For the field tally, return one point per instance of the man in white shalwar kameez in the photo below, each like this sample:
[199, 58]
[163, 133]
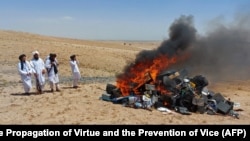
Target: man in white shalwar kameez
[51, 65]
[39, 71]
[75, 70]
[25, 72]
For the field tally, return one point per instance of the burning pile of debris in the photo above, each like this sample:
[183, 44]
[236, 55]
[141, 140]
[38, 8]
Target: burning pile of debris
[149, 82]
[172, 91]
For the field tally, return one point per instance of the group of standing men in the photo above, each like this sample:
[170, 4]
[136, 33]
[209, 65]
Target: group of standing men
[39, 67]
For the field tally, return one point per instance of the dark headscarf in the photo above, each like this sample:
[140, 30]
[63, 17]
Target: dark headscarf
[52, 57]
[20, 58]
[72, 57]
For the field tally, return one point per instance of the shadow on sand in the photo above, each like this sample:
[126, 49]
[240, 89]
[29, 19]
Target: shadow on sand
[70, 87]
[31, 93]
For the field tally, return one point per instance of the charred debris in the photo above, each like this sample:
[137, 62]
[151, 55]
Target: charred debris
[172, 91]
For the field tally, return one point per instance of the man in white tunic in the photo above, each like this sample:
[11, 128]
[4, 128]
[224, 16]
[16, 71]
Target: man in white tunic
[39, 71]
[25, 72]
[51, 65]
[75, 70]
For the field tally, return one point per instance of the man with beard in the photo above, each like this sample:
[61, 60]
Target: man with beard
[52, 70]
[25, 72]
[47, 57]
[39, 71]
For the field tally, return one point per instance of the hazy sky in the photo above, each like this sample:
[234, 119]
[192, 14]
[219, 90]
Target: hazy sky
[112, 19]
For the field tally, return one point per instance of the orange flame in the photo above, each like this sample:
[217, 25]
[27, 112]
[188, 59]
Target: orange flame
[137, 73]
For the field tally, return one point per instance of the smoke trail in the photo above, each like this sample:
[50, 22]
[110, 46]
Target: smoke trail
[224, 53]
[182, 35]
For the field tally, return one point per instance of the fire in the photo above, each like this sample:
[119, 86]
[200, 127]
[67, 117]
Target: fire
[143, 72]
[162, 89]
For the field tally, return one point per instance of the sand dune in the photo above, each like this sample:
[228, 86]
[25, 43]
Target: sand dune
[100, 61]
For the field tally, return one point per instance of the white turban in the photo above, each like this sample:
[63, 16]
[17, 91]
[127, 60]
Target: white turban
[35, 52]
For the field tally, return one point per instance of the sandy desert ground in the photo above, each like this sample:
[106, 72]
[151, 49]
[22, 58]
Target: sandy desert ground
[100, 61]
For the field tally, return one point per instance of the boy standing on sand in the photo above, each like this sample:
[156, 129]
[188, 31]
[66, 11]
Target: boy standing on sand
[75, 70]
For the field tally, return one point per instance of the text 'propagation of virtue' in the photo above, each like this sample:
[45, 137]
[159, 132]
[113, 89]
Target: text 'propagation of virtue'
[123, 132]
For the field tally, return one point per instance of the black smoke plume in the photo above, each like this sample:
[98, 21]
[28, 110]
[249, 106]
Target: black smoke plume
[222, 54]
[182, 35]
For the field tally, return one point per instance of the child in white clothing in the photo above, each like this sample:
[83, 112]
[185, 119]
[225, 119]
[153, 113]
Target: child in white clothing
[75, 70]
